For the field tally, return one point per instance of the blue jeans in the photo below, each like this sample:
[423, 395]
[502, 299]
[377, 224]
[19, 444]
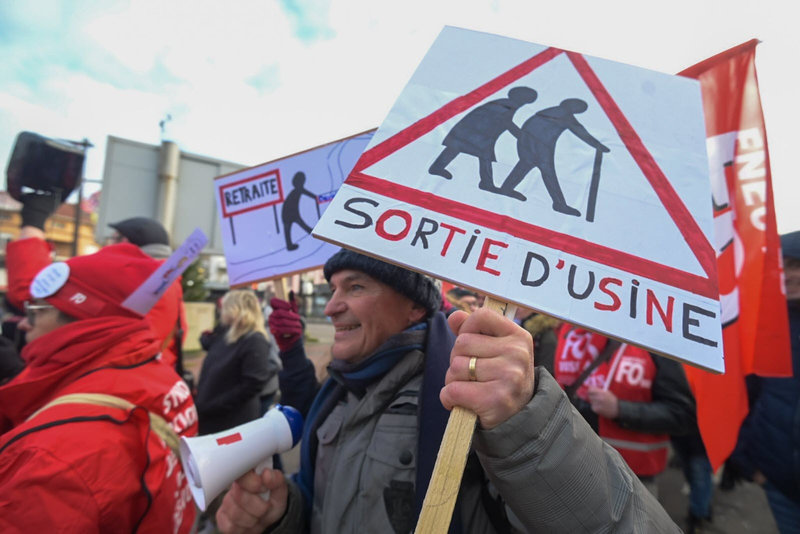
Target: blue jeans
[785, 511]
[697, 470]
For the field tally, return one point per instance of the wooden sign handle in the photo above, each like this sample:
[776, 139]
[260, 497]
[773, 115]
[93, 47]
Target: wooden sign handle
[437, 508]
[281, 288]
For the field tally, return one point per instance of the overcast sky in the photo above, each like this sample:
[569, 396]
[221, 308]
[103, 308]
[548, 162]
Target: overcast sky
[253, 80]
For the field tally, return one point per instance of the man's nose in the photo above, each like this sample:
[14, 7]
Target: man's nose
[335, 305]
[24, 325]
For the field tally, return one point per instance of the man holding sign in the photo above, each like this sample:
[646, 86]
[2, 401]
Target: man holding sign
[372, 434]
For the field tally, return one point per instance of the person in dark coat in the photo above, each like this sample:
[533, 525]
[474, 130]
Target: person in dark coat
[237, 366]
[297, 380]
[768, 451]
[478, 132]
[542, 329]
[633, 399]
[691, 452]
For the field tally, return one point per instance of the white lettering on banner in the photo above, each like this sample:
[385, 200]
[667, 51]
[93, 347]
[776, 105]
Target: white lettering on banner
[176, 396]
[752, 165]
[752, 174]
[743, 150]
[183, 496]
[750, 139]
[595, 380]
[576, 345]
[753, 193]
[172, 462]
[185, 419]
[728, 244]
[631, 371]
[569, 367]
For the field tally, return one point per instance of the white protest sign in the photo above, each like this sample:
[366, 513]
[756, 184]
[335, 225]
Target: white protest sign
[152, 289]
[267, 211]
[565, 183]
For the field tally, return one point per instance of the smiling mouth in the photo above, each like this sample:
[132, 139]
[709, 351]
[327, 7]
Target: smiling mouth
[347, 328]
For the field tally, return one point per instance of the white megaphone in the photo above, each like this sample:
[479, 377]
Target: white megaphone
[211, 463]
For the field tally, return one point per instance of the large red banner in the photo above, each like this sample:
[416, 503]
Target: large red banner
[755, 323]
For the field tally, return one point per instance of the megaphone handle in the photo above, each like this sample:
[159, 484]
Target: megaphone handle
[266, 464]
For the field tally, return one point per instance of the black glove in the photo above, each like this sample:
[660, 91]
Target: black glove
[732, 474]
[36, 208]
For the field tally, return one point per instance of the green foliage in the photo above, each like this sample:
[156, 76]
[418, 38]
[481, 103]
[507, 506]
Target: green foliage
[194, 282]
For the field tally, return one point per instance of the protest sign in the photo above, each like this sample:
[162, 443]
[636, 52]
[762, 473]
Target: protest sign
[569, 184]
[152, 289]
[267, 211]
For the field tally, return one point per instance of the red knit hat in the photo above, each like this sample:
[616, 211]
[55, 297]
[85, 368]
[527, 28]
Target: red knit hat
[95, 285]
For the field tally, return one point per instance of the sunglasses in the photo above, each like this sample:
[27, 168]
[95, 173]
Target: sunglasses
[31, 309]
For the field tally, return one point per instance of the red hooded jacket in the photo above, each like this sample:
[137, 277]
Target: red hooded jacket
[26, 257]
[84, 468]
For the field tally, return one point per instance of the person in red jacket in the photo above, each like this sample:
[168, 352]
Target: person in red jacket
[168, 317]
[30, 253]
[633, 399]
[89, 428]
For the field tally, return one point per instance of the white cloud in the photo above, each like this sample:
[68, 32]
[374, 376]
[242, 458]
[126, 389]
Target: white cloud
[193, 59]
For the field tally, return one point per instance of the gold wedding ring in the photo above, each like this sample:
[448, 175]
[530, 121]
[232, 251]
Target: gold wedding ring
[473, 375]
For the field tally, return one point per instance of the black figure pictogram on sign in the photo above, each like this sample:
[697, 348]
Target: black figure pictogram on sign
[536, 147]
[477, 133]
[290, 213]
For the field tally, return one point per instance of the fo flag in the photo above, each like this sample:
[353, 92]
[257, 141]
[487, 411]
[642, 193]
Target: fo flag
[755, 323]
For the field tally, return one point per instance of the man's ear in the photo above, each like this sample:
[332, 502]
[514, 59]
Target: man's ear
[417, 314]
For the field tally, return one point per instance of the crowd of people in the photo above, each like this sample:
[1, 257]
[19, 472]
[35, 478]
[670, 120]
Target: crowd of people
[573, 427]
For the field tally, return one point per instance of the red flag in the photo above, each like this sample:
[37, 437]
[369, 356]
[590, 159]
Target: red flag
[755, 322]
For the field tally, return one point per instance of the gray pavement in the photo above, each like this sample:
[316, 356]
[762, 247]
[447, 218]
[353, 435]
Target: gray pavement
[742, 510]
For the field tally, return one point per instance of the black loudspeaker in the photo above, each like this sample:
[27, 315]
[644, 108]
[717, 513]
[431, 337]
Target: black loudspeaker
[44, 164]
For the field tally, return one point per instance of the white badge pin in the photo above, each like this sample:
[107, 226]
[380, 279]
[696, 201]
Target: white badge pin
[49, 280]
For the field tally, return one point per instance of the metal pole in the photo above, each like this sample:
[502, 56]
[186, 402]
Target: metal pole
[168, 175]
[76, 234]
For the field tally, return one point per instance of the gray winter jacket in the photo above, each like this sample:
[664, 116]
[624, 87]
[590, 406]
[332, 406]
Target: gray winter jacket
[552, 471]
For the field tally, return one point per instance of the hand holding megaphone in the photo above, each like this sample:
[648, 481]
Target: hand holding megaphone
[211, 463]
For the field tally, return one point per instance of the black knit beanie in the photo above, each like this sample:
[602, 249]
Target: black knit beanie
[460, 292]
[142, 231]
[419, 288]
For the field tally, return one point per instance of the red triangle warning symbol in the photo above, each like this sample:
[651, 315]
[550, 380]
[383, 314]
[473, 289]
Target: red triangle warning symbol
[703, 285]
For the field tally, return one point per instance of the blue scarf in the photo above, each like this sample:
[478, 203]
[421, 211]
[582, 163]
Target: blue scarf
[347, 377]
[439, 340]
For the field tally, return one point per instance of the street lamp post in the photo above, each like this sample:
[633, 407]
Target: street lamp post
[75, 236]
